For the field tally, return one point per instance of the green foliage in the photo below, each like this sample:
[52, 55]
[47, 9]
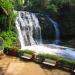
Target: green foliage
[53, 57]
[51, 5]
[7, 21]
[41, 55]
[28, 51]
[56, 58]
[9, 37]
[25, 51]
[40, 58]
[18, 4]
[58, 9]
[3, 22]
[21, 52]
[6, 5]
[67, 61]
[48, 56]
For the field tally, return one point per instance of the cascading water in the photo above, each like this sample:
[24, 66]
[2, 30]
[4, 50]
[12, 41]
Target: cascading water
[27, 25]
[37, 30]
[57, 39]
[29, 33]
[21, 39]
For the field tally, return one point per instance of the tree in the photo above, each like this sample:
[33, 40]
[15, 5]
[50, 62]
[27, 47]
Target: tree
[6, 21]
[18, 4]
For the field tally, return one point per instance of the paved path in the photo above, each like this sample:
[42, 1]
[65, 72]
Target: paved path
[13, 66]
[24, 69]
[30, 68]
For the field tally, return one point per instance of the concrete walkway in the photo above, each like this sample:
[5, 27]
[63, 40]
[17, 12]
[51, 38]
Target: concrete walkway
[24, 69]
[14, 66]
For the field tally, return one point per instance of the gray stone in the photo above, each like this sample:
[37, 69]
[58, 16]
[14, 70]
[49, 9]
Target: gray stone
[1, 43]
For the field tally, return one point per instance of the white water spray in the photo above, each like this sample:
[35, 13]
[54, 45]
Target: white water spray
[27, 24]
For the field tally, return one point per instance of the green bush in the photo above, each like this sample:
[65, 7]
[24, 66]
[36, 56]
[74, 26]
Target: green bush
[56, 58]
[41, 55]
[40, 58]
[8, 20]
[19, 52]
[9, 37]
[67, 61]
[48, 56]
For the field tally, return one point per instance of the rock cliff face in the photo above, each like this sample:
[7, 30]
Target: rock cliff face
[70, 43]
[47, 28]
[66, 28]
[66, 19]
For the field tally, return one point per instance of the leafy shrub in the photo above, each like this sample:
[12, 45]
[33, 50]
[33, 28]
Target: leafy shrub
[58, 59]
[66, 61]
[48, 56]
[7, 21]
[40, 58]
[9, 37]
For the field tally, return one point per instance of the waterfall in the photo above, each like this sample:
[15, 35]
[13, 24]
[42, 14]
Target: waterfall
[37, 30]
[57, 39]
[19, 33]
[29, 30]
[29, 34]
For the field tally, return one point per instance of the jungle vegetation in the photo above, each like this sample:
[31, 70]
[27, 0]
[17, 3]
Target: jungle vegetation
[63, 11]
